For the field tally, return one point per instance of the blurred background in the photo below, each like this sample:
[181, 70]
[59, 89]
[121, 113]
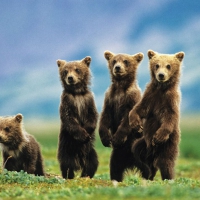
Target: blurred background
[34, 34]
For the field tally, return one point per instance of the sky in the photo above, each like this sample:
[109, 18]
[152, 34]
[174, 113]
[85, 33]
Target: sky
[34, 34]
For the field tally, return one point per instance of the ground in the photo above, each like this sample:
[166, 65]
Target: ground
[185, 186]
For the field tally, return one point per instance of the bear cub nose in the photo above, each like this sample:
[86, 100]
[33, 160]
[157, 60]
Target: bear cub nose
[161, 76]
[70, 79]
[117, 68]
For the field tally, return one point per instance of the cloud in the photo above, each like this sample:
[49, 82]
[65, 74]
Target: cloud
[32, 42]
[32, 87]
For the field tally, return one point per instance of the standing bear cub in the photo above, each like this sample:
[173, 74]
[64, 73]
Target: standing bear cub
[159, 107]
[120, 98]
[78, 117]
[19, 149]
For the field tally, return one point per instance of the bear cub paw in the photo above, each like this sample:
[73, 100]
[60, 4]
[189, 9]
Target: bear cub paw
[159, 138]
[85, 138]
[106, 141]
[135, 122]
[118, 141]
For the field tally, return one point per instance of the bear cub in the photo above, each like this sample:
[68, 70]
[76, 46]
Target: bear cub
[159, 107]
[19, 149]
[121, 96]
[78, 115]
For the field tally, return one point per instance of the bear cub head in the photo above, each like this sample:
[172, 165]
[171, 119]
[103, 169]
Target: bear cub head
[75, 75]
[122, 66]
[165, 68]
[11, 134]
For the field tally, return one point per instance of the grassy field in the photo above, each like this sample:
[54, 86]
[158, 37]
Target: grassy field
[186, 185]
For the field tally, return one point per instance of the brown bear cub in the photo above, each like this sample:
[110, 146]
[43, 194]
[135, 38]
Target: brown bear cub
[78, 116]
[120, 98]
[159, 107]
[19, 149]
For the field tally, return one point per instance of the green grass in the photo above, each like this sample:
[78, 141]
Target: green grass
[190, 131]
[186, 185]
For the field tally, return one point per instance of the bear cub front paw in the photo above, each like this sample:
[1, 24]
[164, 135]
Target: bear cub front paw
[106, 141]
[135, 122]
[84, 138]
[159, 138]
[118, 141]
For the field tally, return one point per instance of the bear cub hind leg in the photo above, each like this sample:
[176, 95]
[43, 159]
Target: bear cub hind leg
[67, 172]
[91, 164]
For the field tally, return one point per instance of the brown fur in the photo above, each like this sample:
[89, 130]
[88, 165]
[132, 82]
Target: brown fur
[158, 149]
[78, 116]
[120, 97]
[19, 149]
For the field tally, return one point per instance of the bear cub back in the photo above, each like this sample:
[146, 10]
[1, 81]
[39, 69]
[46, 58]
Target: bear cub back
[19, 149]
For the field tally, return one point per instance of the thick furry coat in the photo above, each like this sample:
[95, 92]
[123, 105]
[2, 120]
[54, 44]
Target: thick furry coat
[78, 117]
[19, 149]
[120, 98]
[159, 108]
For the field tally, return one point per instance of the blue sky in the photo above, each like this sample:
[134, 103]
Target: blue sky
[34, 34]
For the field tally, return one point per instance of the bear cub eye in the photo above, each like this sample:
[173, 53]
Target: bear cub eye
[125, 62]
[77, 71]
[114, 61]
[7, 129]
[157, 66]
[65, 72]
[168, 66]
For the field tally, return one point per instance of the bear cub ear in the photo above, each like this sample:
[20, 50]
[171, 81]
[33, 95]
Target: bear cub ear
[87, 60]
[180, 55]
[139, 57]
[18, 117]
[108, 55]
[61, 63]
[151, 54]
